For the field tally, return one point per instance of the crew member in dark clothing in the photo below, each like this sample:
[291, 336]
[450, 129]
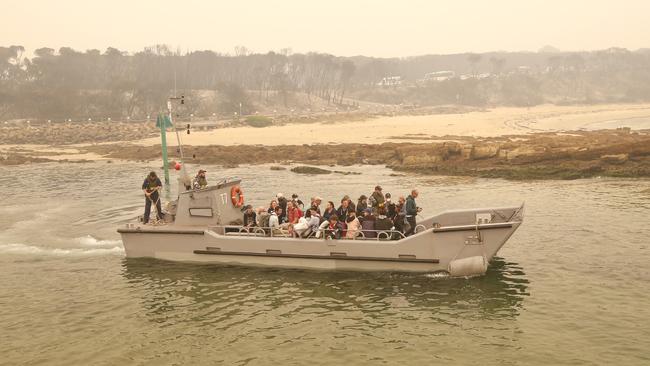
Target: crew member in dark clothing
[391, 208]
[399, 226]
[411, 211]
[151, 188]
[250, 218]
[282, 202]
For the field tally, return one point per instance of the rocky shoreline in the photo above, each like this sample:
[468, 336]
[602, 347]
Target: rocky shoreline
[579, 154]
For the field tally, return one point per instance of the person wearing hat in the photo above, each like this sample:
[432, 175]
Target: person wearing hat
[151, 188]
[362, 204]
[377, 198]
[199, 181]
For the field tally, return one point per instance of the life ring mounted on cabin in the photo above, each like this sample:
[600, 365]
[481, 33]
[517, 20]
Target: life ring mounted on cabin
[237, 196]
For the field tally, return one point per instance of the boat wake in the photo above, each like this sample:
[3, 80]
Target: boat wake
[24, 249]
[91, 241]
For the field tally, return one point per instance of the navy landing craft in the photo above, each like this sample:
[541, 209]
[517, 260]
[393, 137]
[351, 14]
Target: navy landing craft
[204, 225]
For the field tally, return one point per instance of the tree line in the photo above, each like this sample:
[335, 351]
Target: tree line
[66, 83]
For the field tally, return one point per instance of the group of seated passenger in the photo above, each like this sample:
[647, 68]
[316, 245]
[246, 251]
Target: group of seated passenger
[368, 218]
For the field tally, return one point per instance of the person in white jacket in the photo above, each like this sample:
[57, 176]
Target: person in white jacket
[300, 227]
[274, 223]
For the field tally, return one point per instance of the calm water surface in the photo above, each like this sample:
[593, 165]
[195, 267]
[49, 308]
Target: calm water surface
[572, 286]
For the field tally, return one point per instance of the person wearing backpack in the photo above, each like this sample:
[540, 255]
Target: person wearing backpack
[377, 199]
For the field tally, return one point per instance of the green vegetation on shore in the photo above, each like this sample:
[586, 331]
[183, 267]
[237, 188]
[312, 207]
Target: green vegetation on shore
[259, 121]
[65, 84]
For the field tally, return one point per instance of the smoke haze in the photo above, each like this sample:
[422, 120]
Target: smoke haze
[345, 28]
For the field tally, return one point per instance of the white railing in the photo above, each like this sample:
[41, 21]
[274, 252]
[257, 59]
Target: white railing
[324, 234]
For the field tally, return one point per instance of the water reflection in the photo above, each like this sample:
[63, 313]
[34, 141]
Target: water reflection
[176, 290]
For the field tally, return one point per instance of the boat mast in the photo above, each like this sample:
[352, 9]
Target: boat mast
[183, 176]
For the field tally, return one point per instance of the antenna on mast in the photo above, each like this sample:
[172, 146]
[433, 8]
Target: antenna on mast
[175, 83]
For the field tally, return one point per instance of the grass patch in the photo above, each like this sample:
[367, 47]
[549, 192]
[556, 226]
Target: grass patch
[259, 121]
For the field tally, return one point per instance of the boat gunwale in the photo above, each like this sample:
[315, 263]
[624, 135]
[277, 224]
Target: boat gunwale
[308, 256]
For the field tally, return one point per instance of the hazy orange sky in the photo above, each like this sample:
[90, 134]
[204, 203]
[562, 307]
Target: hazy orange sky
[341, 27]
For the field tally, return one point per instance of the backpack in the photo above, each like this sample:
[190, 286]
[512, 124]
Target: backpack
[264, 219]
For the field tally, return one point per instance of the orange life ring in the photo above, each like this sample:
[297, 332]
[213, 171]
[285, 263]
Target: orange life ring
[237, 196]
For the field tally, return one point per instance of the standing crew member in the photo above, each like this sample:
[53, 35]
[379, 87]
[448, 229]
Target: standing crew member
[411, 211]
[151, 188]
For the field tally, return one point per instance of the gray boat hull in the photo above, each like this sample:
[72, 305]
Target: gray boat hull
[200, 229]
[435, 248]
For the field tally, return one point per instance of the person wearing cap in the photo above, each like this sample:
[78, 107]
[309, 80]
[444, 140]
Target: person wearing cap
[199, 181]
[151, 188]
[377, 198]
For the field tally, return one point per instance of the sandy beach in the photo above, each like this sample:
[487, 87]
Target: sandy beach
[492, 122]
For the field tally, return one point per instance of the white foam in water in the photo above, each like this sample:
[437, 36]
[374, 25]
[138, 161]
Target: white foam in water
[17, 248]
[436, 275]
[90, 241]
